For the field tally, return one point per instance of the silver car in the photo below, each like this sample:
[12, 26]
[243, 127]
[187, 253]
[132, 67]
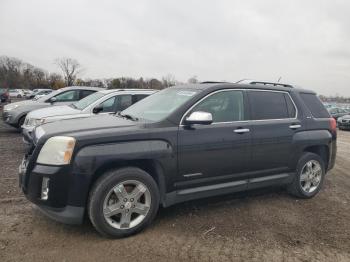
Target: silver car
[103, 102]
[15, 113]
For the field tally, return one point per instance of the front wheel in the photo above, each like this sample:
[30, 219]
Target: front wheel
[309, 177]
[123, 202]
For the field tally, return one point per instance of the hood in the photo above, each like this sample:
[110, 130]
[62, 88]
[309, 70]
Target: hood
[347, 117]
[87, 125]
[53, 111]
[27, 105]
[24, 102]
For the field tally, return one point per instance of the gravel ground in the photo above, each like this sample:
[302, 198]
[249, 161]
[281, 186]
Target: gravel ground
[266, 225]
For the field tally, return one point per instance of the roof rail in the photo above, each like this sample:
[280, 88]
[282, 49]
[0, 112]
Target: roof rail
[270, 83]
[213, 82]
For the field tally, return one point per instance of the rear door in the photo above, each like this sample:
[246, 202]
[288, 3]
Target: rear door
[274, 122]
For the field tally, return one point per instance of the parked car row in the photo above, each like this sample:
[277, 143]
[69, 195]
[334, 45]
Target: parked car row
[117, 155]
[14, 114]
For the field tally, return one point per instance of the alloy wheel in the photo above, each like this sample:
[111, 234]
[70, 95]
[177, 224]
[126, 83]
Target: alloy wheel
[127, 204]
[311, 175]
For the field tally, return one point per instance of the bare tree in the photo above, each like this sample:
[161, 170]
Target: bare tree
[70, 69]
[192, 80]
[168, 80]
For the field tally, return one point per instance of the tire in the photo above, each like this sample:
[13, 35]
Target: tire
[103, 195]
[300, 184]
[21, 122]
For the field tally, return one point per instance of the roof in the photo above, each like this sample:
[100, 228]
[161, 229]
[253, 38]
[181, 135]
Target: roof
[108, 91]
[254, 85]
[82, 87]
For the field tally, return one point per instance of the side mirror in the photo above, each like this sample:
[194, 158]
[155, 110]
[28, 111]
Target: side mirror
[200, 118]
[97, 109]
[53, 100]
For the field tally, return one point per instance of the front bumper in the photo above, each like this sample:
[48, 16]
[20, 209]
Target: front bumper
[58, 205]
[344, 125]
[68, 215]
[8, 118]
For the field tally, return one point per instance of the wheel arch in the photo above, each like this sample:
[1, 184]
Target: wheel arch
[320, 150]
[152, 167]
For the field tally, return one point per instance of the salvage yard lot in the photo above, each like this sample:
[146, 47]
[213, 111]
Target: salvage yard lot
[264, 225]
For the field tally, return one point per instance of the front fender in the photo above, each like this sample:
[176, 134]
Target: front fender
[89, 159]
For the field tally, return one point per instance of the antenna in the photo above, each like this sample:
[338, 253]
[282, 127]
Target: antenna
[279, 79]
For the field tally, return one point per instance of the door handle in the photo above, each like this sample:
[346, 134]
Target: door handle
[241, 130]
[294, 126]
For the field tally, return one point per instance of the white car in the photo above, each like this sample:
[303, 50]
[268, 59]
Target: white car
[102, 102]
[16, 93]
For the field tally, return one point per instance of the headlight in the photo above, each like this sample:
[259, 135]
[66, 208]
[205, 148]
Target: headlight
[33, 122]
[57, 150]
[10, 107]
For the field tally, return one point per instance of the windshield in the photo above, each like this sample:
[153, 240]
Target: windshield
[83, 103]
[160, 105]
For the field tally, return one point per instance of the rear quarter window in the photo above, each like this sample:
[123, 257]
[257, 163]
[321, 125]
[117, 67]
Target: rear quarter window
[315, 105]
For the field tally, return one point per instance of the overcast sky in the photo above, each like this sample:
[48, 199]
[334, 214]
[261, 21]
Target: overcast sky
[305, 42]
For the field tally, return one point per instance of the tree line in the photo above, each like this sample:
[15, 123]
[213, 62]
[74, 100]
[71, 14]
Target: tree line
[17, 74]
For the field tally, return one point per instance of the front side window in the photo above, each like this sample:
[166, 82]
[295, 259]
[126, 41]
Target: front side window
[108, 105]
[71, 95]
[225, 106]
[270, 105]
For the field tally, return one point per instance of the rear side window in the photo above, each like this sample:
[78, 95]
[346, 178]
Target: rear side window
[271, 105]
[85, 93]
[123, 102]
[315, 105]
[139, 97]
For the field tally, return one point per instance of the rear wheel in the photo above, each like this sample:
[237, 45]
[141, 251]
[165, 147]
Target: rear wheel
[123, 202]
[310, 176]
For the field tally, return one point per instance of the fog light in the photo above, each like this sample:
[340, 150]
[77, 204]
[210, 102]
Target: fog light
[45, 188]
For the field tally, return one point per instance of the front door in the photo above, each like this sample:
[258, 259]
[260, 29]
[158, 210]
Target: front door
[218, 151]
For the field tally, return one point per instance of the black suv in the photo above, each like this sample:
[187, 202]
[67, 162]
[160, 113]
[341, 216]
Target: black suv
[182, 143]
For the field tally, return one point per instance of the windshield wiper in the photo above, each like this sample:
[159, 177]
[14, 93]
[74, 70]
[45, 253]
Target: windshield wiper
[74, 106]
[130, 117]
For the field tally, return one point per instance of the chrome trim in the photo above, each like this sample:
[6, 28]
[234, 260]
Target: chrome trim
[211, 187]
[192, 175]
[267, 178]
[294, 126]
[241, 130]
[243, 121]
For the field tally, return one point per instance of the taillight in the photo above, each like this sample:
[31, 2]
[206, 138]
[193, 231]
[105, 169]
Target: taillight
[333, 125]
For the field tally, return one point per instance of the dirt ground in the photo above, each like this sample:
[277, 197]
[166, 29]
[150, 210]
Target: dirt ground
[267, 225]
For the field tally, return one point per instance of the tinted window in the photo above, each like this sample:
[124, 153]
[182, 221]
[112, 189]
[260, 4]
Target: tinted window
[123, 102]
[71, 95]
[269, 105]
[315, 105]
[85, 93]
[225, 106]
[137, 98]
[290, 106]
